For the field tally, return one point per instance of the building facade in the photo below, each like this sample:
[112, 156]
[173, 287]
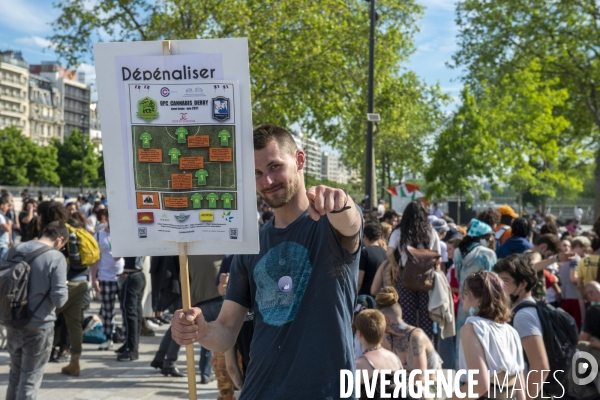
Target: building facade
[46, 114]
[76, 96]
[330, 167]
[312, 150]
[14, 85]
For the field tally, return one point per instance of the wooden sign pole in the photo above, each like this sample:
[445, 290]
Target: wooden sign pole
[184, 278]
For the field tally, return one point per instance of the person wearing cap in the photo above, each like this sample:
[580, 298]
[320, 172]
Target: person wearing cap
[473, 254]
[503, 230]
[518, 242]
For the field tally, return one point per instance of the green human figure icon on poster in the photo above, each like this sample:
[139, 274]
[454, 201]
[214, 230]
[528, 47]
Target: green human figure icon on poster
[201, 174]
[145, 138]
[174, 154]
[212, 200]
[224, 136]
[227, 199]
[181, 135]
[196, 200]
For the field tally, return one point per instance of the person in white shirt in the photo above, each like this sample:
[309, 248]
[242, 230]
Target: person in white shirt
[104, 281]
[494, 347]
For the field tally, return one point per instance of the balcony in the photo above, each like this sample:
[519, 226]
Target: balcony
[13, 83]
[11, 113]
[15, 62]
[10, 97]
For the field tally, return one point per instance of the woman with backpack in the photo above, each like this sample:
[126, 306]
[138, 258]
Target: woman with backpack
[414, 230]
[104, 280]
[474, 253]
[494, 347]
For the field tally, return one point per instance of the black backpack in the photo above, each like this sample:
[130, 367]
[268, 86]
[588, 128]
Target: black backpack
[560, 336]
[14, 283]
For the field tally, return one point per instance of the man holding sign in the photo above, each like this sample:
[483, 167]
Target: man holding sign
[302, 286]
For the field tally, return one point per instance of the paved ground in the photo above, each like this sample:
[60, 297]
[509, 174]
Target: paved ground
[103, 377]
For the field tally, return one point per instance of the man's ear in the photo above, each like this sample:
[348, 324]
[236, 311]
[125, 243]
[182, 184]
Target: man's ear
[300, 159]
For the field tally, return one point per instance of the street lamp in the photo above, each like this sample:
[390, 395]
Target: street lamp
[370, 162]
[82, 151]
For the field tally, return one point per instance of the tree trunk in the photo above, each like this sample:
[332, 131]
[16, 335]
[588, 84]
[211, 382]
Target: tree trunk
[597, 187]
[389, 181]
[458, 209]
[545, 205]
[520, 203]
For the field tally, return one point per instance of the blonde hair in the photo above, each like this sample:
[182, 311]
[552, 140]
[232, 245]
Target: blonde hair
[387, 298]
[371, 324]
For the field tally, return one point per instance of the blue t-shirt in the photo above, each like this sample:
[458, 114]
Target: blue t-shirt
[302, 288]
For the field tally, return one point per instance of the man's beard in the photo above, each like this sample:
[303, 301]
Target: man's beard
[281, 200]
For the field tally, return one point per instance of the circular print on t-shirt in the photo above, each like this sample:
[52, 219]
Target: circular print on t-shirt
[285, 284]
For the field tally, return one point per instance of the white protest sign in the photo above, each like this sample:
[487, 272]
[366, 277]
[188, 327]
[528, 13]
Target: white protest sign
[177, 140]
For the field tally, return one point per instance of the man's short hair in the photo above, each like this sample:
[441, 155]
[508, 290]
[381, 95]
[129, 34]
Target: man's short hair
[4, 200]
[519, 267]
[491, 216]
[551, 241]
[581, 241]
[521, 227]
[265, 134]
[549, 228]
[389, 214]
[56, 229]
[372, 230]
[371, 324]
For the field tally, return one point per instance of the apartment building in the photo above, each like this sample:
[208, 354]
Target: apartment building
[46, 114]
[14, 85]
[76, 96]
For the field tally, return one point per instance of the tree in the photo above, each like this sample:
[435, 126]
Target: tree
[504, 36]
[537, 154]
[308, 61]
[23, 162]
[69, 159]
[464, 153]
[101, 180]
[15, 153]
[43, 165]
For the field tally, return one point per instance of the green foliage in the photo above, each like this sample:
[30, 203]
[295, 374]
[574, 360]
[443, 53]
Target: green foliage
[537, 152]
[507, 37]
[69, 159]
[23, 162]
[15, 153]
[308, 63]
[101, 180]
[463, 152]
[485, 196]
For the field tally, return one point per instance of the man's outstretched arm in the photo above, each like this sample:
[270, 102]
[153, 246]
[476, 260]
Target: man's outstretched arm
[219, 335]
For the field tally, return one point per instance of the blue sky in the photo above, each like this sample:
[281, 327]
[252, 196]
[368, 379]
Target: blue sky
[24, 25]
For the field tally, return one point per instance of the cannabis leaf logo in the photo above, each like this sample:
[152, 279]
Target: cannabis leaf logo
[227, 216]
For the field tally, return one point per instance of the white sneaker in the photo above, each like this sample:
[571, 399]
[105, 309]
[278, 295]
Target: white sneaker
[151, 325]
[106, 345]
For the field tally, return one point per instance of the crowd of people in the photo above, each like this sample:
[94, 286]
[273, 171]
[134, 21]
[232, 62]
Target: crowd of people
[332, 288]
